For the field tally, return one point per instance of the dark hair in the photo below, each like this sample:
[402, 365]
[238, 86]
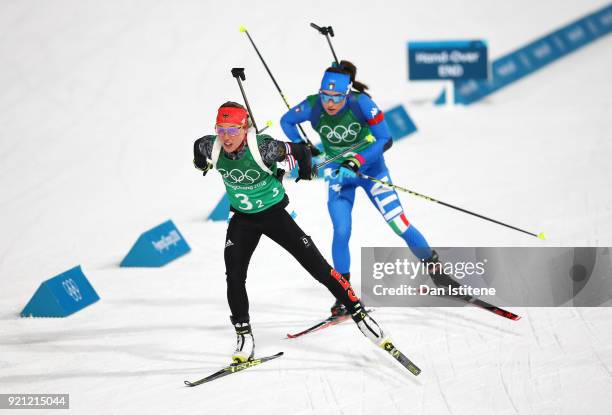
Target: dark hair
[232, 104]
[348, 68]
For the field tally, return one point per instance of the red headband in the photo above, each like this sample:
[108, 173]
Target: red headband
[232, 115]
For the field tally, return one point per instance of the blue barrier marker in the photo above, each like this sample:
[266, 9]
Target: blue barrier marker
[156, 247]
[221, 212]
[61, 295]
[399, 122]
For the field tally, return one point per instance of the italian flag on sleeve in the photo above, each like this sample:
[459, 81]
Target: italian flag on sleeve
[399, 224]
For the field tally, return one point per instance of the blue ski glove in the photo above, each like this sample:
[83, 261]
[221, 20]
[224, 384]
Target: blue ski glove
[348, 169]
[345, 174]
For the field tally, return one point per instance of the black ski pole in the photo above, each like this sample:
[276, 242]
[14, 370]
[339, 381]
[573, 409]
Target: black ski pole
[238, 73]
[327, 31]
[431, 199]
[244, 30]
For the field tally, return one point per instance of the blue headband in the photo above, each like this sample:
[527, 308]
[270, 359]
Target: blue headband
[337, 82]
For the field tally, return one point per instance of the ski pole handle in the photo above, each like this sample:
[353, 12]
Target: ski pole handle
[238, 73]
[317, 28]
[327, 32]
[323, 30]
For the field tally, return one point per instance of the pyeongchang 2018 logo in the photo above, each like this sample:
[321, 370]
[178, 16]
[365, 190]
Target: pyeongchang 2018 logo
[340, 133]
[72, 289]
[236, 176]
[165, 242]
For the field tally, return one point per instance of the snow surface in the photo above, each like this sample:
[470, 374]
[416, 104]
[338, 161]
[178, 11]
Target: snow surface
[99, 105]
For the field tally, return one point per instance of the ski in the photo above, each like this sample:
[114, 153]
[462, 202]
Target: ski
[328, 322]
[387, 345]
[233, 368]
[493, 309]
[390, 348]
[484, 305]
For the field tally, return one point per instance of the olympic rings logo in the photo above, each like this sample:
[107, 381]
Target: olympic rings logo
[236, 176]
[72, 289]
[341, 133]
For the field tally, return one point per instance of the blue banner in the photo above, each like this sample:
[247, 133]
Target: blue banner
[535, 55]
[156, 247]
[466, 59]
[61, 295]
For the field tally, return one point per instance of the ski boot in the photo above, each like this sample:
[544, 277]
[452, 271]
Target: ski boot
[338, 309]
[245, 343]
[437, 274]
[369, 327]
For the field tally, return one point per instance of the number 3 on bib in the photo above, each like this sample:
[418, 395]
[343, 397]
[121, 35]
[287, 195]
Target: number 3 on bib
[245, 203]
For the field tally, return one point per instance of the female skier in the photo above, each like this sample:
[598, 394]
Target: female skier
[343, 114]
[247, 164]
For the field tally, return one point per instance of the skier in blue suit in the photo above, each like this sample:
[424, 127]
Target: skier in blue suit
[343, 114]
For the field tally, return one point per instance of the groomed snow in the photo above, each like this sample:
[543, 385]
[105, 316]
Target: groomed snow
[99, 105]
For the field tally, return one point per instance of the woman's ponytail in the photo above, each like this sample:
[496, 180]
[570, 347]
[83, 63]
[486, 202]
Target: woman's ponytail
[349, 68]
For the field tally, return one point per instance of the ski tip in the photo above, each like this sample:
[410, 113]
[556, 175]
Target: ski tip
[541, 236]
[516, 318]
[242, 29]
[290, 336]
[269, 123]
[187, 383]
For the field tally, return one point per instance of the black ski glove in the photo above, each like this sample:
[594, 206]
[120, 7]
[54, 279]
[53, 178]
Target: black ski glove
[314, 150]
[201, 163]
[351, 164]
[301, 152]
[199, 160]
